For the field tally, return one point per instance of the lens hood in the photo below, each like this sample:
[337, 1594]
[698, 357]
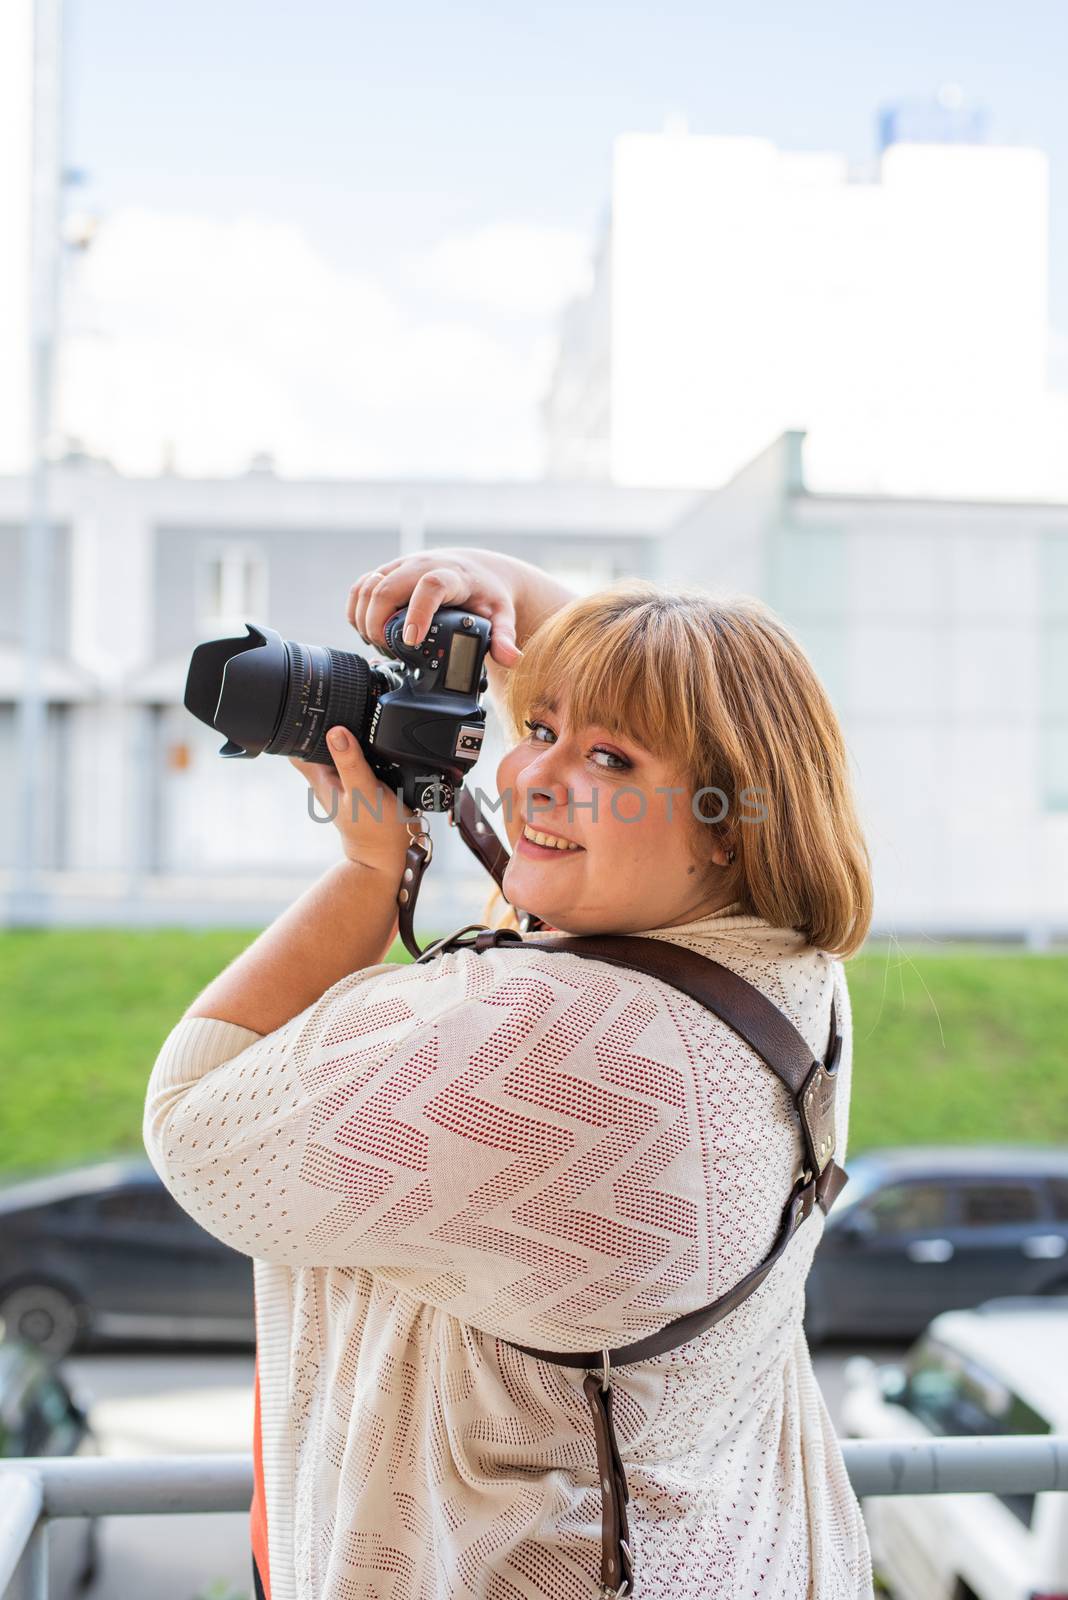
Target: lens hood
[239, 685]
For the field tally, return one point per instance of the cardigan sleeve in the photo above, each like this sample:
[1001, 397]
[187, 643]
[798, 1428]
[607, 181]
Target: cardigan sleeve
[495, 1132]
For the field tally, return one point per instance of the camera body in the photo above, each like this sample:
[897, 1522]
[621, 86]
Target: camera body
[418, 718]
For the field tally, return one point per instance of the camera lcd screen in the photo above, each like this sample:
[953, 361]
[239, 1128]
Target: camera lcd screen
[463, 654]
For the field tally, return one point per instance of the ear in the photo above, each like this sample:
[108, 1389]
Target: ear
[718, 855]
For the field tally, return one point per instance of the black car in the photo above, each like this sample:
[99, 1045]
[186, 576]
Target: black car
[40, 1417]
[103, 1253]
[934, 1228]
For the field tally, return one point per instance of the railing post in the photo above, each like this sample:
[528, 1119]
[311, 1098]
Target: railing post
[22, 1528]
[37, 1561]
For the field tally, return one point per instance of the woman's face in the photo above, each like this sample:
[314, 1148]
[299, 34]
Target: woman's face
[636, 865]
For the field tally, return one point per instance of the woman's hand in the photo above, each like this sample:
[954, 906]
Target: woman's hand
[370, 816]
[513, 595]
[488, 584]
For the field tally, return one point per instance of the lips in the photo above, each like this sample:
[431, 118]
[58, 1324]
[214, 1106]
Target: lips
[545, 852]
[550, 833]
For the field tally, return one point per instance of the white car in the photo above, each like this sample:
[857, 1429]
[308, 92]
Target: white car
[1001, 1368]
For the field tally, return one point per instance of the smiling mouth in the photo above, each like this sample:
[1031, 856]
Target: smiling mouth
[530, 846]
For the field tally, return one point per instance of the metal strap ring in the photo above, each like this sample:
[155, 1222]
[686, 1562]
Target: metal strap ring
[605, 1375]
[421, 836]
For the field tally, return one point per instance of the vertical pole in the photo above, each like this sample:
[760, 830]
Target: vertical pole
[29, 899]
[36, 1560]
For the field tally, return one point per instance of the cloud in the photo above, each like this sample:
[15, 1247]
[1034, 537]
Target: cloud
[214, 340]
[514, 268]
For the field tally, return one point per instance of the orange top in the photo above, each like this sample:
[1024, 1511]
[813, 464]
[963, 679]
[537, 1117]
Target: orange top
[258, 1509]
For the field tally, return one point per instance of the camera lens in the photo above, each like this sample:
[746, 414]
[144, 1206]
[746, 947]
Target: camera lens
[324, 687]
[273, 695]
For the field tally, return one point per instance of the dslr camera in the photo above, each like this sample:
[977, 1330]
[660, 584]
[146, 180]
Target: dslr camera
[418, 717]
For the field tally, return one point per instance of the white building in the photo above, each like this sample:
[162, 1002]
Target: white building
[898, 315]
[940, 629]
[16, 172]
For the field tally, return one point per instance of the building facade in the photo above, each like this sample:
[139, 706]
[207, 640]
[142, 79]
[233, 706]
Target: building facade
[940, 629]
[16, 210]
[898, 314]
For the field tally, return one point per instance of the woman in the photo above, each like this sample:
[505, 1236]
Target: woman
[427, 1161]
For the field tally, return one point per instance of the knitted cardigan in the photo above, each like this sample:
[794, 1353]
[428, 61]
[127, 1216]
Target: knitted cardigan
[520, 1145]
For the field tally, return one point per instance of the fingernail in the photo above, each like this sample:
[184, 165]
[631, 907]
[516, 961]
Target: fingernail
[338, 738]
[409, 633]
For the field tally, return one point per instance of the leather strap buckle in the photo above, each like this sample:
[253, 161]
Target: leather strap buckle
[606, 1370]
[452, 941]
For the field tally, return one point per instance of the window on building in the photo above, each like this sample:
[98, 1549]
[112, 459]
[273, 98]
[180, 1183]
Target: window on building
[232, 587]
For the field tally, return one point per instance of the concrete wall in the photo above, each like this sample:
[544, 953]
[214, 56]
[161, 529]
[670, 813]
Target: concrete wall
[935, 630]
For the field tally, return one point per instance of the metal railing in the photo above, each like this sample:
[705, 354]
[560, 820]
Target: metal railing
[35, 1490]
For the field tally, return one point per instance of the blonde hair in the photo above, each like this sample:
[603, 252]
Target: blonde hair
[721, 690]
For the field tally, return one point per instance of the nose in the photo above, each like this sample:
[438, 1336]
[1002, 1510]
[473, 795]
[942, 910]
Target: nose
[539, 791]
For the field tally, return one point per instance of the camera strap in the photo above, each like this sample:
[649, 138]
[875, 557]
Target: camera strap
[811, 1084]
[479, 837]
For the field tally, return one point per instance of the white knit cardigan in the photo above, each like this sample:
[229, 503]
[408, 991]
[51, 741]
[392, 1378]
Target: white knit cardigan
[431, 1159]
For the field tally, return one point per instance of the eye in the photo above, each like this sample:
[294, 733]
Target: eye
[622, 762]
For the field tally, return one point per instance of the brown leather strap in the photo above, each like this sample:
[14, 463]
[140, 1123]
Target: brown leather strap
[693, 1323]
[749, 1012]
[775, 1039]
[416, 860]
[480, 838]
[617, 1571]
[812, 1091]
[617, 1565]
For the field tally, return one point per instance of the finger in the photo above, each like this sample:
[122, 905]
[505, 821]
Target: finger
[323, 783]
[359, 599]
[314, 771]
[355, 775]
[503, 646]
[432, 590]
[362, 591]
[365, 583]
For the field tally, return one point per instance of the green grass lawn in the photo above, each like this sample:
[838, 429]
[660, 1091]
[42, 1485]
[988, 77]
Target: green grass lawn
[955, 1045]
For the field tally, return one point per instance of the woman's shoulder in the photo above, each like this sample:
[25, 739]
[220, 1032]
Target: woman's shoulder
[799, 979]
[585, 993]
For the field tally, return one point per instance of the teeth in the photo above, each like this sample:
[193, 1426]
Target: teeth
[547, 839]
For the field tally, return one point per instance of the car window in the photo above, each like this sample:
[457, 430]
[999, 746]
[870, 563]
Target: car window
[983, 1205]
[78, 1205]
[862, 1182]
[954, 1396]
[906, 1207]
[934, 1376]
[1058, 1188]
[138, 1206]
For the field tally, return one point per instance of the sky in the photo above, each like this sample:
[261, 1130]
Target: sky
[344, 233]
